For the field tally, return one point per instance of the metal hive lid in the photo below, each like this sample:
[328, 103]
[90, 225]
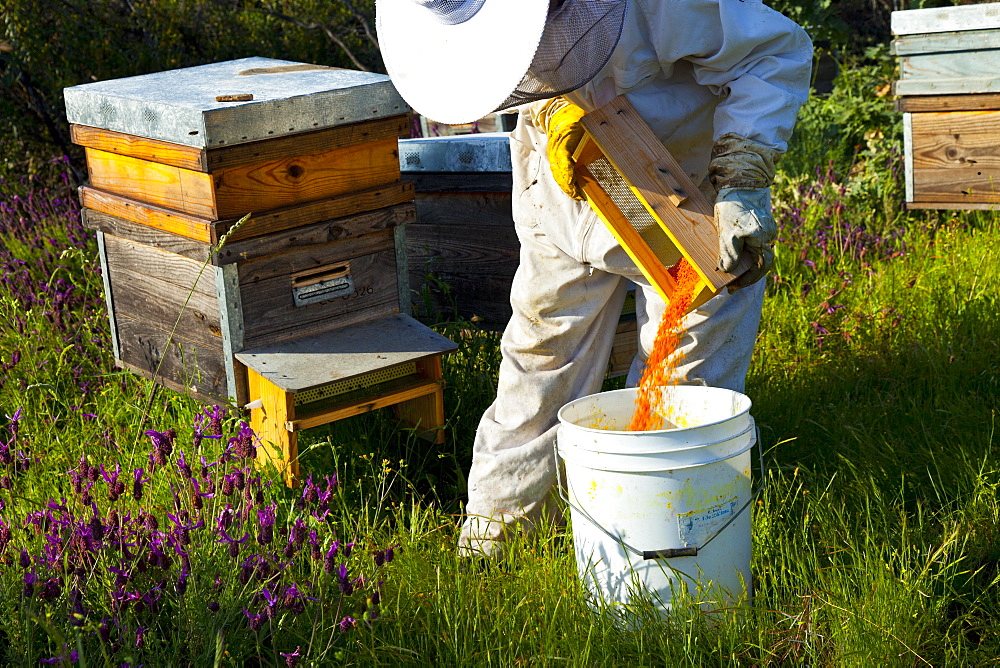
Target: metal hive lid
[179, 106]
[483, 152]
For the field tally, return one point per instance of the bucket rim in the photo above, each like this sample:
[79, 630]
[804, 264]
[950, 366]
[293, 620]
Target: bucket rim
[632, 390]
[631, 452]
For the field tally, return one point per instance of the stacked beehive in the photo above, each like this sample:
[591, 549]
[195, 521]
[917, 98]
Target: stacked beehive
[202, 304]
[949, 89]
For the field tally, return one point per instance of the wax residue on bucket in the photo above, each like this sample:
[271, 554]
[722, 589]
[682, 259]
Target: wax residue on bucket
[662, 362]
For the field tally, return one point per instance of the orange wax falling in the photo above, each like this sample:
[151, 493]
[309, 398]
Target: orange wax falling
[662, 361]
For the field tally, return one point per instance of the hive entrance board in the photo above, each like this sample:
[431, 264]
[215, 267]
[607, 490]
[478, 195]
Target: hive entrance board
[388, 361]
[647, 201]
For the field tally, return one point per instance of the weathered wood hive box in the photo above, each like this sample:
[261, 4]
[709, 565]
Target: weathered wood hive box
[177, 158]
[949, 93]
[463, 249]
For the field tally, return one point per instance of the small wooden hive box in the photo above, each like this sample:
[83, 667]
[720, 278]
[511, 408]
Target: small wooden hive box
[178, 160]
[648, 201]
[949, 93]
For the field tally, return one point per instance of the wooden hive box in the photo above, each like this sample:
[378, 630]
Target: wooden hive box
[174, 164]
[949, 93]
[463, 250]
[648, 201]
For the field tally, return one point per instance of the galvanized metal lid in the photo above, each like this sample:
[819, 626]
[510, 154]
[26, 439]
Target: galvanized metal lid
[484, 152]
[189, 106]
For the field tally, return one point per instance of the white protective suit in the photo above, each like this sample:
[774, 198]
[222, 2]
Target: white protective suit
[695, 70]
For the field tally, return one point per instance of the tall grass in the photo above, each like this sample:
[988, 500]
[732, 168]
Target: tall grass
[876, 535]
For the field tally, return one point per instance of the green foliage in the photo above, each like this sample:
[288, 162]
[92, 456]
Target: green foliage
[853, 123]
[848, 27]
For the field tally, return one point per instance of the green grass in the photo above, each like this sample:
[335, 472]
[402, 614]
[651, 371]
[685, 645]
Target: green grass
[876, 536]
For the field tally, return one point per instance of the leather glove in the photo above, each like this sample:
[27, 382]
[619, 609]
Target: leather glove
[560, 119]
[743, 217]
[742, 171]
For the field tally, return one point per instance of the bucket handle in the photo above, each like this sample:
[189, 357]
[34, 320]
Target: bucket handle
[667, 553]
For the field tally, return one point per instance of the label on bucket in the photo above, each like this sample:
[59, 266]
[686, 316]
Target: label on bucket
[696, 527]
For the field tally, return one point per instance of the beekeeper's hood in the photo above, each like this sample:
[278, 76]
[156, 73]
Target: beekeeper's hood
[456, 61]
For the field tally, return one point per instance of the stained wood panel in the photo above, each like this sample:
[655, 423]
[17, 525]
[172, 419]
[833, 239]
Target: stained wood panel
[956, 156]
[146, 235]
[270, 315]
[468, 242]
[279, 183]
[205, 160]
[160, 304]
[308, 143]
[329, 231]
[146, 214]
[167, 186]
[479, 182]
[941, 103]
[312, 256]
[232, 192]
[180, 273]
[189, 365]
[154, 150]
[340, 207]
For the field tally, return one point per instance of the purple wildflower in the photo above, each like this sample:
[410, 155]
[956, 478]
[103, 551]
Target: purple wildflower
[242, 443]
[213, 606]
[299, 532]
[182, 582]
[343, 581]
[163, 445]
[234, 545]
[206, 467]
[137, 484]
[293, 599]
[208, 424]
[267, 517]
[329, 565]
[347, 623]
[314, 551]
[292, 659]
[254, 621]
[184, 467]
[115, 486]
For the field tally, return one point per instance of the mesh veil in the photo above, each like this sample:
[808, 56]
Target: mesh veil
[451, 12]
[578, 40]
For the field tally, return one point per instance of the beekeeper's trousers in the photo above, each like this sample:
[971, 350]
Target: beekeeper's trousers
[567, 298]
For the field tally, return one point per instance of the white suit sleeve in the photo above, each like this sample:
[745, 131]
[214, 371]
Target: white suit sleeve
[758, 60]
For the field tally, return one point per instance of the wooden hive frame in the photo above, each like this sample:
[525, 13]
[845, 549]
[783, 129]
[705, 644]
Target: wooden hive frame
[647, 201]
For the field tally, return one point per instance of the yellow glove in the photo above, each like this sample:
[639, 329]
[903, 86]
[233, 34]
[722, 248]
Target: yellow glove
[561, 120]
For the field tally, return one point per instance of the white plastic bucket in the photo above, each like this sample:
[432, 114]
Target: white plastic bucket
[639, 499]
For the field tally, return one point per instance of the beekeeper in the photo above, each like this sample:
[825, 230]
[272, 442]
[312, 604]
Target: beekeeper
[720, 83]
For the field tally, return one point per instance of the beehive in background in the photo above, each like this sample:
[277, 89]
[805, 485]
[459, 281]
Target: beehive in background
[949, 93]
[176, 158]
[463, 249]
